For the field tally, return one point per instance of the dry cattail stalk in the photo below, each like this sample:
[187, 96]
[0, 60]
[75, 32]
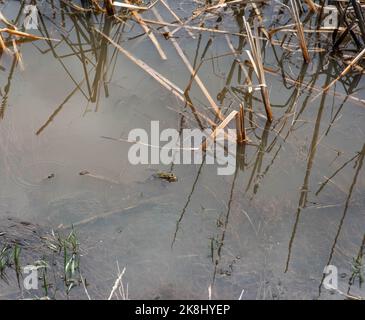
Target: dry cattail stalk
[256, 60]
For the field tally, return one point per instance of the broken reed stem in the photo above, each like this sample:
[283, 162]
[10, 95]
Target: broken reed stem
[311, 5]
[300, 31]
[109, 7]
[191, 70]
[129, 6]
[240, 125]
[176, 17]
[116, 284]
[347, 69]
[256, 60]
[265, 97]
[25, 35]
[96, 5]
[224, 4]
[2, 44]
[153, 73]
[170, 86]
[18, 55]
[194, 28]
[241, 65]
[360, 18]
[221, 126]
[148, 31]
[211, 30]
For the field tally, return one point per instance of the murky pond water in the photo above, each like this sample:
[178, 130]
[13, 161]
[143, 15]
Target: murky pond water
[294, 204]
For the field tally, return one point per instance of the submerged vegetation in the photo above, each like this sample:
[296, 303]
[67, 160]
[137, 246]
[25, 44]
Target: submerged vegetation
[255, 51]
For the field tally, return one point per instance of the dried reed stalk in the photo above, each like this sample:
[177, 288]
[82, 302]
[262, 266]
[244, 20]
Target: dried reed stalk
[25, 35]
[153, 73]
[311, 5]
[18, 55]
[179, 93]
[116, 284]
[346, 70]
[96, 5]
[242, 67]
[221, 126]
[109, 7]
[240, 125]
[224, 4]
[149, 33]
[300, 32]
[192, 71]
[129, 6]
[176, 17]
[309, 87]
[256, 60]
[187, 27]
[2, 45]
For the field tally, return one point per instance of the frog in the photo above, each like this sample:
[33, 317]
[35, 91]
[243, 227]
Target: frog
[168, 176]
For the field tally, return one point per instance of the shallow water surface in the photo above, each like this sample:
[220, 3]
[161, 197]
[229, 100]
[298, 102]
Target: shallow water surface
[294, 204]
